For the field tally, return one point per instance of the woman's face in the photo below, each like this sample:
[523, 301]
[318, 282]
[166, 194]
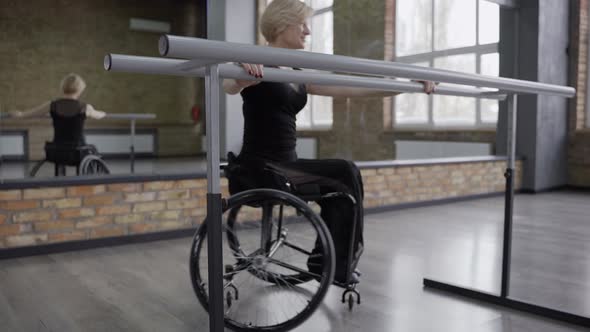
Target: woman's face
[294, 36]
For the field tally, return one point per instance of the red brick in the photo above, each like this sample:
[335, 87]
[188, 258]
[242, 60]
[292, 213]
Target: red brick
[140, 197]
[67, 236]
[25, 240]
[53, 225]
[113, 210]
[124, 187]
[6, 230]
[19, 205]
[32, 216]
[76, 213]
[106, 199]
[142, 228]
[44, 193]
[158, 185]
[149, 207]
[10, 195]
[94, 222]
[62, 203]
[85, 190]
[107, 232]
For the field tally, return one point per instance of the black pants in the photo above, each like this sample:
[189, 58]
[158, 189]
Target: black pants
[339, 213]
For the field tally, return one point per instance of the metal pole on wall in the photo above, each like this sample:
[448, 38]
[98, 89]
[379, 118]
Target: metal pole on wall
[509, 196]
[214, 207]
[132, 147]
[1, 156]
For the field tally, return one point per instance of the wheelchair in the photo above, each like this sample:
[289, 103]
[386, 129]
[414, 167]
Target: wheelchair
[278, 257]
[84, 157]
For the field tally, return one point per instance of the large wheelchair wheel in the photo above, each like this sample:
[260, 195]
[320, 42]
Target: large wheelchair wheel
[278, 260]
[92, 164]
[36, 168]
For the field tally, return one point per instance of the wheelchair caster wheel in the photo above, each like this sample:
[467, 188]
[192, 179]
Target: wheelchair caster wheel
[351, 292]
[228, 296]
[228, 299]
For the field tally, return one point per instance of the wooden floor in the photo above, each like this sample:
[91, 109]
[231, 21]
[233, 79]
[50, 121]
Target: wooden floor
[146, 287]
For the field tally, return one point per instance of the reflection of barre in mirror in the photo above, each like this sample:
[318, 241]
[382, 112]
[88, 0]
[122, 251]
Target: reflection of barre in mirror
[266, 230]
[132, 117]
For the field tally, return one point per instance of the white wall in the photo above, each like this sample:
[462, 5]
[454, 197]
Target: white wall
[432, 149]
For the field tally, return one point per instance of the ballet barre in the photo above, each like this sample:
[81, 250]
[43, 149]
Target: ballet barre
[207, 58]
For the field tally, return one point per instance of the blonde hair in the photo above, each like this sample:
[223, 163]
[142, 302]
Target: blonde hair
[72, 83]
[280, 14]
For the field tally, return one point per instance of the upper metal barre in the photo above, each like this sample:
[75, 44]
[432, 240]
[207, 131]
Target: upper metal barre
[150, 65]
[131, 116]
[193, 48]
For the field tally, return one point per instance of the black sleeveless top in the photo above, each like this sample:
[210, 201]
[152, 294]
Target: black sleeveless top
[270, 111]
[68, 117]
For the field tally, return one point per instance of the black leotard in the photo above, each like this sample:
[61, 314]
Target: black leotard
[270, 111]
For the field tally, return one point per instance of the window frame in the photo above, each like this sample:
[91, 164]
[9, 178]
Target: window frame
[478, 50]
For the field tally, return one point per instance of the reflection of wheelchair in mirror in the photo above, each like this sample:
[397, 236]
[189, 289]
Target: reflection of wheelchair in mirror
[84, 157]
[278, 257]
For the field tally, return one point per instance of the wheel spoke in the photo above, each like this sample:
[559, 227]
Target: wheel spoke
[293, 268]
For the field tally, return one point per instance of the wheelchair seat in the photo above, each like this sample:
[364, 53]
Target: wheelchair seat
[68, 154]
[84, 157]
[263, 175]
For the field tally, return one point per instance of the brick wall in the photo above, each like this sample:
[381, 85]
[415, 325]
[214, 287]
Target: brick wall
[579, 159]
[57, 214]
[49, 215]
[579, 138]
[41, 41]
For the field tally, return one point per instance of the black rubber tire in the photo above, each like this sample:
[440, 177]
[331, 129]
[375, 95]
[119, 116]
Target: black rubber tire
[326, 245]
[93, 165]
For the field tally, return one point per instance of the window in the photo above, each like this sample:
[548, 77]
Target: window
[317, 114]
[458, 35]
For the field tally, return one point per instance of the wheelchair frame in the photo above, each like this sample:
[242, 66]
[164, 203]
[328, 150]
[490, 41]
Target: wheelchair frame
[62, 156]
[350, 292]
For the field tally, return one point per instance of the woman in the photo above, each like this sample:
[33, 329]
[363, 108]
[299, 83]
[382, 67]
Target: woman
[68, 115]
[72, 87]
[270, 111]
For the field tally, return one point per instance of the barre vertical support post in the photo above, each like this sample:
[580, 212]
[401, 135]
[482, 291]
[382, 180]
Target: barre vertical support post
[509, 195]
[132, 147]
[214, 205]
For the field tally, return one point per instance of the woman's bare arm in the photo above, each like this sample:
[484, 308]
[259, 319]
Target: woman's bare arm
[42, 109]
[343, 91]
[93, 113]
[232, 86]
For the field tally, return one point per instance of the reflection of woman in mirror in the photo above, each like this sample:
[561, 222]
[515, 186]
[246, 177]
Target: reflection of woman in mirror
[72, 87]
[67, 112]
[270, 110]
